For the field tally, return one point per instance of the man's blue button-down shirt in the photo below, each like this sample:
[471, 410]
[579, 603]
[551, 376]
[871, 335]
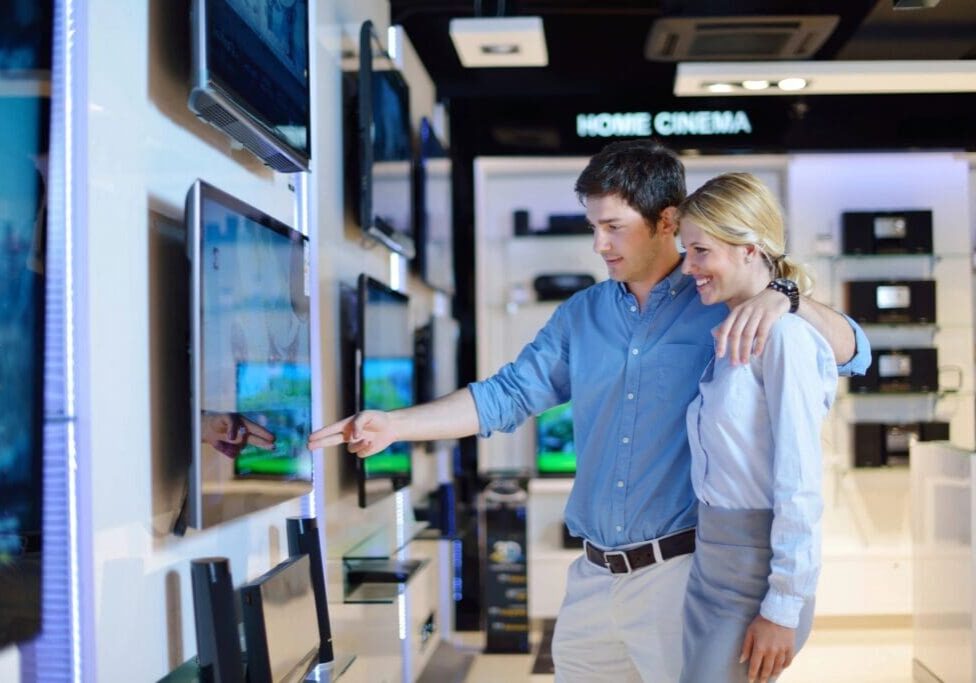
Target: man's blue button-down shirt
[631, 374]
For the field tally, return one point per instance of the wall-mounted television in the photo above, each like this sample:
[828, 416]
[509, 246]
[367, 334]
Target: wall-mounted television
[555, 445]
[250, 76]
[384, 381]
[251, 385]
[25, 111]
[379, 146]
[434, 219]
[436, 360]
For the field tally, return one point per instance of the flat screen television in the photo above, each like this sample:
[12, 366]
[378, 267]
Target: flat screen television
[384, 381]
[436, 361]
[250, 359]
[434, 218]
[379, 145]
[555, 445]
[25, 111]
[250, 76]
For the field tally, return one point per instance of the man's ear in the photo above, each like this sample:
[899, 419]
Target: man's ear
[668, 220]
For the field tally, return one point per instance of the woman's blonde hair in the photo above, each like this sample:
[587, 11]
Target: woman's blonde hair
[737, 208]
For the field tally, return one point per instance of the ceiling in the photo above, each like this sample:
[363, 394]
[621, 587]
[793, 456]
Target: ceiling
[596, 47]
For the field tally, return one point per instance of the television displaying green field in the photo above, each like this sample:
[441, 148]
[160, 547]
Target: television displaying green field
[555, 446]
[388, 385]
[276, 396]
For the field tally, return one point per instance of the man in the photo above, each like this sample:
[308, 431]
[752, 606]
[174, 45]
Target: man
[628, 352]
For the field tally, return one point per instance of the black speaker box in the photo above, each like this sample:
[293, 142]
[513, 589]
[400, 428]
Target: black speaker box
[893, 302]
[559, 286]
[215, 616]
[899, 371]
[303, 539]
[887, 232]
[520, 219]
[877, 444]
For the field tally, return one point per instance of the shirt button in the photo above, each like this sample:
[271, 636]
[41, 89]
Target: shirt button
[619, 528]
[634, 351]
[626, 439]
[630, 397]
[620, 484]
[633, 309]
[672, 292]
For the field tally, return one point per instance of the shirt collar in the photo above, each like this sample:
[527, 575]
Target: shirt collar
[673, 282]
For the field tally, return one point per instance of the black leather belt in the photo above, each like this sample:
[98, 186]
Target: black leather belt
[626, 561]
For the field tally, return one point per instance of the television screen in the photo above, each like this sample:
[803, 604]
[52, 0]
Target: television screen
[250, 75]
[555, 445]
[380, 135]
[385, 382]
[434, 217]
[25, 86]
[251, 361]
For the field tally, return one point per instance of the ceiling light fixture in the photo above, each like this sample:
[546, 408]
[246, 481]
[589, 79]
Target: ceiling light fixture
[792, 84]
[829, 78]
[755, 84]
[499, 41]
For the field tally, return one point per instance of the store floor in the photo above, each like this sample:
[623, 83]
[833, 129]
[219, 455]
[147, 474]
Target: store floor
[836, 654]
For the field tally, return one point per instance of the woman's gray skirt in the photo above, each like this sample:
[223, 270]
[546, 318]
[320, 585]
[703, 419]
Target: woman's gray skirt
[729, 579]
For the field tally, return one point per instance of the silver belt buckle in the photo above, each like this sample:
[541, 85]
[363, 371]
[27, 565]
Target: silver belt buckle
[622, 554]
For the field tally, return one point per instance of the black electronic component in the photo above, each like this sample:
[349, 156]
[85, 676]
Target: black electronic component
[887, 232]
[892, 302]
[877, 444]
[215, 616]
[303, 539]
[559, 286]
[899, 371]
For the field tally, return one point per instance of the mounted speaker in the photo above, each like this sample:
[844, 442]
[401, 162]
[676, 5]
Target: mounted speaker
[303, 539]
[215, 616]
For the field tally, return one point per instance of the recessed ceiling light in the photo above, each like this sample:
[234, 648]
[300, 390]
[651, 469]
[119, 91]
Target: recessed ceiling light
[719, 87]
[500, 49]
[756, 84]
[831, 78]
[499, 41]
[792, 84]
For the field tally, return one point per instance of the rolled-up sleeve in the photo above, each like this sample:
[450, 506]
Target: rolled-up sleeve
[538, 379]
[859, 364]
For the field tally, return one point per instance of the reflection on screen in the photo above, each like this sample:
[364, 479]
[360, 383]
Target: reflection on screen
[275, 396]
[25, 62]
[388, 385]
[555, 447]
[258, 50]
[256, 365]
[392, 153]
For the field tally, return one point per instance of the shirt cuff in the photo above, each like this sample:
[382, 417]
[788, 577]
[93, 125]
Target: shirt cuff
[482, 398]
[859, 364]
[782, 609]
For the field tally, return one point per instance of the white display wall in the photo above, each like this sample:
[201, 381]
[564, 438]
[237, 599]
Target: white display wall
[141, 151]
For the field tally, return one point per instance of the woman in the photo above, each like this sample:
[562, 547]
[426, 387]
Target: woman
[754, 431]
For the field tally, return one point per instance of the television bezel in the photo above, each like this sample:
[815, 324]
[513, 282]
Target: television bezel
[397, 241]
[249, 127]
[199, 191]
[428, 139]
[365, 283]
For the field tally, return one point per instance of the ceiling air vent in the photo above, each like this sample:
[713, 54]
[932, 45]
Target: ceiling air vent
[680, 39]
